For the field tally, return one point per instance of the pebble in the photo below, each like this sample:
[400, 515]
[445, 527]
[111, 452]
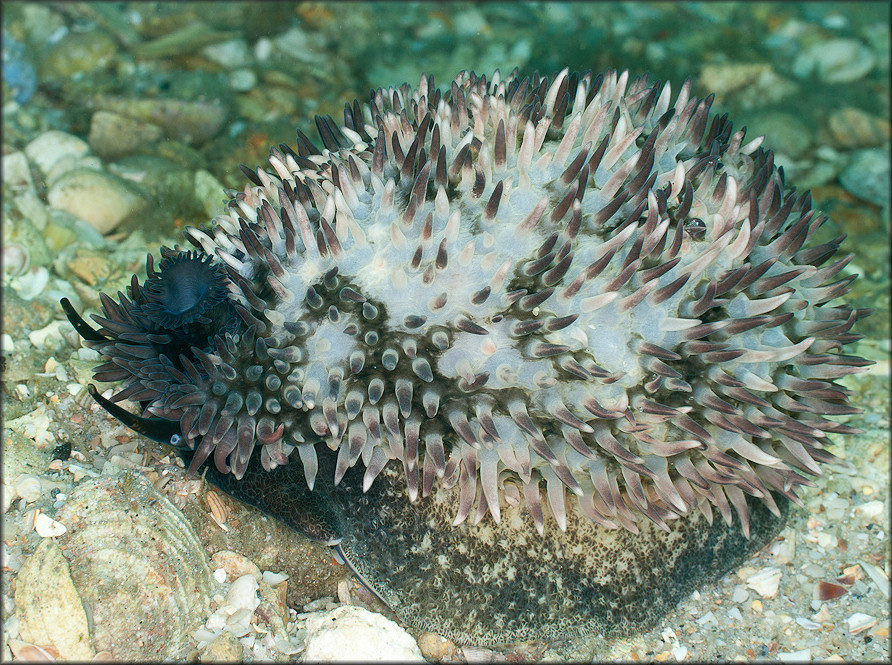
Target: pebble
[352, 633]
[48, 148]
[78, 53]
[867, 176]
[852, 127]
[435, 647]
[99, 198]
[208, 192]
[231, 54]
[30, 284]
[765, 582]
[235, 564]
[16, 170]
[835, 61]
[185, 120]
[872, 509]
[113, 135]
[27, 487]
[803, 655]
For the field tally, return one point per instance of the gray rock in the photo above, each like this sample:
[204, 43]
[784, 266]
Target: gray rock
[835, 61]
[113, 136]
[867, 176]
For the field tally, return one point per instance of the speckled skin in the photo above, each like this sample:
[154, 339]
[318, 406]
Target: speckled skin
[562, 297]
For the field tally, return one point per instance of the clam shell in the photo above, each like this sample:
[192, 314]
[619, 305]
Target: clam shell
[140, 570]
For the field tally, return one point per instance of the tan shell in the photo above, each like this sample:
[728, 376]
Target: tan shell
[140, 570]
[48, 605]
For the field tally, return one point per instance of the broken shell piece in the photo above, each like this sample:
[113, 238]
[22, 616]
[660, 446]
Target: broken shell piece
[859, 622]
[765, 582]
[47, 527]
[829, 591]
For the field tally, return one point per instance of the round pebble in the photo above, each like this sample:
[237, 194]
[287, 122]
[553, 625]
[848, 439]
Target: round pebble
[867, 176]
[113, 136]
[100, 199]
[48, 148]
[835, 61]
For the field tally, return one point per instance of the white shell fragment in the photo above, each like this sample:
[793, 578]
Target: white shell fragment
[765, 582]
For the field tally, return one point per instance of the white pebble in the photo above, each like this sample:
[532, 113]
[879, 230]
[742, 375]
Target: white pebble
[680, 653]
[272, 579]
[27, 486]
[220, 575]
[51, 146]
[30, 285]
[734, 613]
[765, 582]
[740, 594]
[49, 335]
[709, 617]
[801, 656]
[872, 509]
[352, 633]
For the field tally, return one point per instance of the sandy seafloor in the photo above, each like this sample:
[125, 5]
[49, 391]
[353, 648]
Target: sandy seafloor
[224, 81]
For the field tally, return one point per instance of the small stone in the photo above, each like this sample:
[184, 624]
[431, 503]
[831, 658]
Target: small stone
[51, 146]
[27, 486]
[16, 171]
[435, 647]
[352, 633]
[208, 192]
[235, 564]
[243, 594]
[230, 54]
[740, 594]
[872, 509]
[835, 61]
[78, 53]
[784, 550]
[852, 127]
[826, 540]
[188, 121]
[801, 656]
[50, 336]
[867, 176]
[100, 199]
[223, 649]
[112, 136]
[765, 582]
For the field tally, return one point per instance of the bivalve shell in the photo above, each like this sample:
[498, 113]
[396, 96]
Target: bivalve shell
[138, 566]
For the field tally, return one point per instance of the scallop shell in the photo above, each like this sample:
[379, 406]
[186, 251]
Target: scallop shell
[140, 570]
